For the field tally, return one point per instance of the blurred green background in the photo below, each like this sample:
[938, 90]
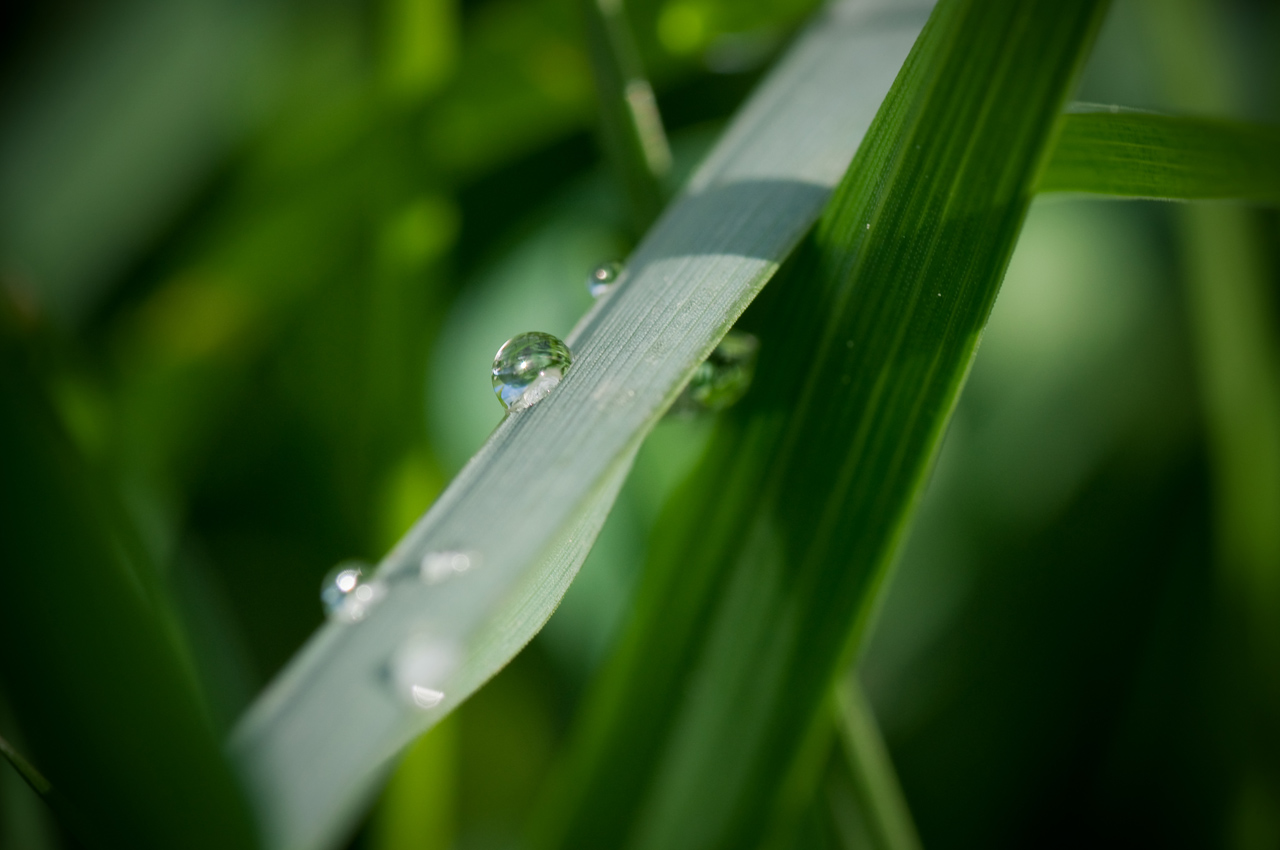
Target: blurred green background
[263, 253]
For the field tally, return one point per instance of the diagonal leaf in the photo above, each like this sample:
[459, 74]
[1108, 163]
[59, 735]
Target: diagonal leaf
[530, 502]
[1141, 155]
[708, 728]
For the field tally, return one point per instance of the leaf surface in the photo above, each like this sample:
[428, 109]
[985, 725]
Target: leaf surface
[530, 502]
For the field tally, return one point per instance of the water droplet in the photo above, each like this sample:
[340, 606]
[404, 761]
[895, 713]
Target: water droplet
[346, 593]
[527, 367]
[426, 697]
[420, 669]
[603, 277]
[723, 377]
[438, 566]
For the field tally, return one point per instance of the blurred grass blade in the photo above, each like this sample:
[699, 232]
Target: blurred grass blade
[25, 769]
[1228, 263]
[61, 808]
[1140, 155]
[530, 502]
[708, 728]
[876, 791]
[630, 124]
[100, 688]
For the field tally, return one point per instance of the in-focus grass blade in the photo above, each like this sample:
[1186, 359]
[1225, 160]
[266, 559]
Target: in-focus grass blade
[708, 729]
[100, 687]
[1140, 155]
[530, 502]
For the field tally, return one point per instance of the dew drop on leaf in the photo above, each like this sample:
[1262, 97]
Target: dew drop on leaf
[346, 594]
[724, 377]
[527, 367]
[438, 566]
[420, 668]
[603, 277]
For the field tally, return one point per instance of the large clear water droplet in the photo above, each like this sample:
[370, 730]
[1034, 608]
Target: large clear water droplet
[439, 566]
[603, 277]
[527, 367]
[420, 669]
[724, 377]
[347, 595]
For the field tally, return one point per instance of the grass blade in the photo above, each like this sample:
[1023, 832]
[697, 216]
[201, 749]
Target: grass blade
[532, 499]
[630, 124]
[877, 794]
[62, 809]
[1140, 155]
[1228, 261]
[99, 684]
[708, 728]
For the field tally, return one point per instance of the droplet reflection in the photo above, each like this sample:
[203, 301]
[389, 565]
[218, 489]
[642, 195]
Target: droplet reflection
[724, 377]
[345, 593]
[603, 277]
[438, 566]
[420, 669]
[426, 697]
[527, 367]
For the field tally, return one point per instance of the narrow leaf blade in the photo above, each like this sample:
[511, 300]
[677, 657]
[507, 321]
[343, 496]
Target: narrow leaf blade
[1141, 155]
[709, 728]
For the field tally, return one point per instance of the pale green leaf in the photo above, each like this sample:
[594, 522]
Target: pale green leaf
[317, 743]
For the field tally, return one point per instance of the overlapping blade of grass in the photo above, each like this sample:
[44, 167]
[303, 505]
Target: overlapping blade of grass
[1229, 270]
[708, 728]
[316, 744]
[1142, 155]
[875, 792]
[100, 685]
[630, 125]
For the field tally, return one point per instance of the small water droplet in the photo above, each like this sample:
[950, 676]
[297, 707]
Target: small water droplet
[346, 593]
[420, 669]
[868, 225]
[527, 367]
[603, 277]
[426, 697]
[438, 566]
[724, 377]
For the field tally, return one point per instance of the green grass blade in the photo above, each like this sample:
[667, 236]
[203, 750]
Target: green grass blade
[630, 125]
[1140, 155]
[531, 500]
[875, 784]
[26, 770]
[100, 687]
[1229, 270]
[61, 808]
[708, 728]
